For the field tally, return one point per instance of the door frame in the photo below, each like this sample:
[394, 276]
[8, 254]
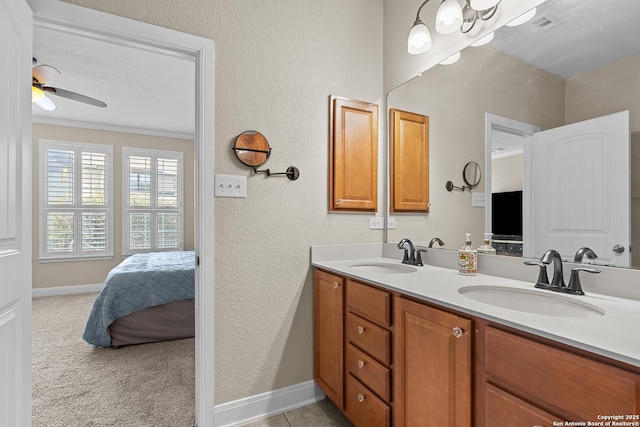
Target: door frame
[494, 122]
[127, 32]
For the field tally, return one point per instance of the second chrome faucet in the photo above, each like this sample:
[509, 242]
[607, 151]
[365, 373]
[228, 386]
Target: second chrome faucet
[557, 282]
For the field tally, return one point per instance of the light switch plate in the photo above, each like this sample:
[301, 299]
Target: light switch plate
[376, 223]
[230, 185]
[478, 200]
[391, 223]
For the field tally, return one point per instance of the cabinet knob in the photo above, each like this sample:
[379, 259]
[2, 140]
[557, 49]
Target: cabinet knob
[360, 330]
[457, 332]
[360, 363]
[339, 202]
[361, 398]
[336, 285]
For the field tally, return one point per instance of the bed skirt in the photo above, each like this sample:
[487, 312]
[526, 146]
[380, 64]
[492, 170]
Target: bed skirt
[171, 321]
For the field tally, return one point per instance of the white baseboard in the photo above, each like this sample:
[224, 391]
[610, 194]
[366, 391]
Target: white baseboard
[264, 405]
[65, 290]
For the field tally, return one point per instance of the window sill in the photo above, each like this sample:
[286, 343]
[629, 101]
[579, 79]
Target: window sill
[75, 259]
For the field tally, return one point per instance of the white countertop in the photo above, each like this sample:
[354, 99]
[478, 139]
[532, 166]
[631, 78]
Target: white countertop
[613, 334]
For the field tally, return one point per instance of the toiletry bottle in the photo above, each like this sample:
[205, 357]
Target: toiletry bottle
[468, 258]
[486, 247]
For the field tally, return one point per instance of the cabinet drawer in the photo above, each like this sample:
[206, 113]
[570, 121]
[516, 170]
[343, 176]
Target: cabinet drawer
[369, 372]
[371, 303]
[502, 408]
[580, 386]
[369, 338]
[363, 408]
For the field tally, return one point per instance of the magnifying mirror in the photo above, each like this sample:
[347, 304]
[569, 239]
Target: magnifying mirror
[471, 174]
[252, 148]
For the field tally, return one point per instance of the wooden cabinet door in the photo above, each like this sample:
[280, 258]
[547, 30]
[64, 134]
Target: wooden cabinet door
[409, 161]
[353, 175]
[328, 337]
[432, 372]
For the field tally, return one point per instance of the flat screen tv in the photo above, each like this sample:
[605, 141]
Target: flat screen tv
[506, 215]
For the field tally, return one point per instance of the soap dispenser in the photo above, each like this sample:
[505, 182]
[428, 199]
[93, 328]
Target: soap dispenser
[468, 258]
[486, 247]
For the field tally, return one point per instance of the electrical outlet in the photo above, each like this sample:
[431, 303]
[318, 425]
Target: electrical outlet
[478, 200]
[376, 223]
[391, 223]
[230, 185]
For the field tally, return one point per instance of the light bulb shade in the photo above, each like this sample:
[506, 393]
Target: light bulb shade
[36, 94]
[483, 4]
[525, 17]
[449, 17]
[484, 40]
[419, 40]
[452, 59]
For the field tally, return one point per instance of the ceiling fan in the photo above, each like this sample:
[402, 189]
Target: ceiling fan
[41, 75]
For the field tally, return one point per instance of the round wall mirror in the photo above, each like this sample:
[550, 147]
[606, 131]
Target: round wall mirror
[471, 174]
[252, 148]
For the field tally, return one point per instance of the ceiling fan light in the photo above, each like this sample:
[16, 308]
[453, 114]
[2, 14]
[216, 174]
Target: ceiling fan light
[452, 59]
[36, 94]
[419, 40]
[525, 17]
[484, 40]
[448, 17]
[483, 4]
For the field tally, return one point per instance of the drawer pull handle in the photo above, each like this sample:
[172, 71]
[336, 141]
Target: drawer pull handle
[336, 285]
[360, 364]
[360, 330]
[457, 332]
[361, 398]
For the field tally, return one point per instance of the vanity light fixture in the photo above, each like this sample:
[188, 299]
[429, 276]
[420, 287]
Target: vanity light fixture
[452, 59]
[449, 18]
[484, 40]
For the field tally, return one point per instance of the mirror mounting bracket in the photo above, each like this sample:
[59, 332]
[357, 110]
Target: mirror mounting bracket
[292, 172]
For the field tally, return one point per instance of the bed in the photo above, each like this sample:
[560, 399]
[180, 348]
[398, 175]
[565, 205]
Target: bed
[148, 297]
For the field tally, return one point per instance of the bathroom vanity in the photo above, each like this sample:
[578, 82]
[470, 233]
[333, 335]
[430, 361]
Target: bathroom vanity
[398, 345]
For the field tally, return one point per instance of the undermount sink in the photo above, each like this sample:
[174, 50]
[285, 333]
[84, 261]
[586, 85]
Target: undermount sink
[531, 301]
[384, 268]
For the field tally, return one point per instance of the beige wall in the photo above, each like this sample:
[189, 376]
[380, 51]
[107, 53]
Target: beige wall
[455, 99]
[607, 90]
[277, 62]
[507, 173]
[50, 274]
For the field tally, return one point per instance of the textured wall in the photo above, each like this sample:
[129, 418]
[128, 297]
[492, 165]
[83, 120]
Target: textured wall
[506, 173]
[277, 62]
[91, 272]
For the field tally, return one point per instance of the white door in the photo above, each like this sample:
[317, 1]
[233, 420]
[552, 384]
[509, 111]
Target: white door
[15, 213]
[580, 189]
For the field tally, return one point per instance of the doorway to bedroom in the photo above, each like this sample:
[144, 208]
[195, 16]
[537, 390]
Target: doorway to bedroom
[156, 49]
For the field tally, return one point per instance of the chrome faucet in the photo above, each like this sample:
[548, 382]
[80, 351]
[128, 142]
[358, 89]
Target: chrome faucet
[547, 258]
[557, 283]
[409, 253]
[582, 252]
[436, 240]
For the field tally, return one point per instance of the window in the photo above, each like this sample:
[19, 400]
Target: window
[152, 200]
[76, 212]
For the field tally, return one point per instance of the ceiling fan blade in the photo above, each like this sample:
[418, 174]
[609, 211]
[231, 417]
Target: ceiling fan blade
[46, 104]
[73, 96]
[44, 73]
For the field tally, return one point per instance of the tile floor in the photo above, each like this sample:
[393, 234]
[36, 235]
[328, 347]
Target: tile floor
[320, 414]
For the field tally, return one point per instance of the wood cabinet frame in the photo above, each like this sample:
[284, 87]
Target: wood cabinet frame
[353, 155]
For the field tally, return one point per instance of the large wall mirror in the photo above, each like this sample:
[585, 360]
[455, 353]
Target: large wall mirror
[574, 62]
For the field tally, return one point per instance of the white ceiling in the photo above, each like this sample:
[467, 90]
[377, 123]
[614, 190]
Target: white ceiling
[146, 92]
[579, 35]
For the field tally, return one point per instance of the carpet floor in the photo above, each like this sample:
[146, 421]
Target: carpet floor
[77, 384]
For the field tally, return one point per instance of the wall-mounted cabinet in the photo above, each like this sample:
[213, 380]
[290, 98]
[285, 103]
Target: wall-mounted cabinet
[353, 156]
[408, 161]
